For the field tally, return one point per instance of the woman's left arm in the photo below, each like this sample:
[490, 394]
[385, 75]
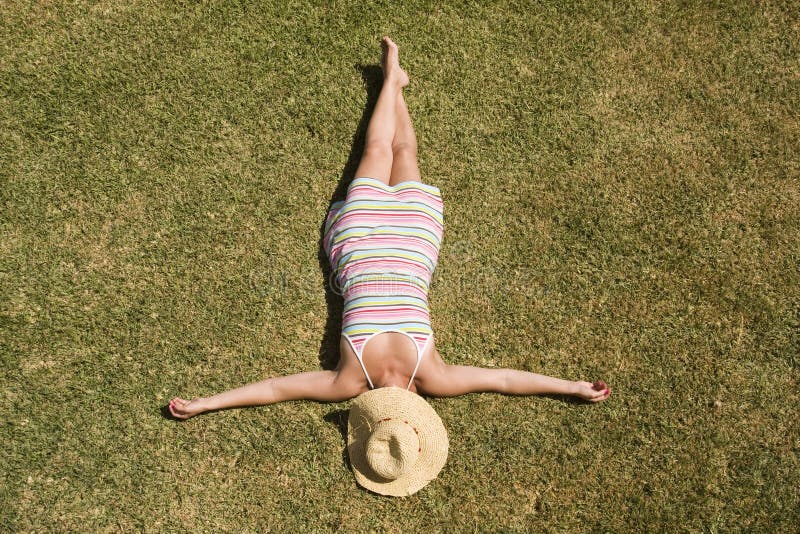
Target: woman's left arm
[451, 380]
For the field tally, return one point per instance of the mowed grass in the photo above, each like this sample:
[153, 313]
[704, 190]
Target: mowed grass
[621, 187]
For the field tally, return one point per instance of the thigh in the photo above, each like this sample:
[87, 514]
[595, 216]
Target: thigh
[405, 167]
[376, 162]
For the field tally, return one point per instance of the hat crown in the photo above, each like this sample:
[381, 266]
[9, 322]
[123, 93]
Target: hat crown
[392, 448]
[396, 441]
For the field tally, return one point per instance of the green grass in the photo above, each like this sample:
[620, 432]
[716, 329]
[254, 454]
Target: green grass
[621, 190]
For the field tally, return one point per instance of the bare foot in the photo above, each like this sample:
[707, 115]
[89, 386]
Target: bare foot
[392, 72]
[184, 409]
[596, 392]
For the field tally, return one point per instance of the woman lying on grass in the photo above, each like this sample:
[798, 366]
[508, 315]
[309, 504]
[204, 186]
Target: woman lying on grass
[383, 243]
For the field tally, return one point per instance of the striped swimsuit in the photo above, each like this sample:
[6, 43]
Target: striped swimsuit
[383, 243]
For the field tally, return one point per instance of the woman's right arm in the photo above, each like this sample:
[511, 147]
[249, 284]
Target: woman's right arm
[314, 385]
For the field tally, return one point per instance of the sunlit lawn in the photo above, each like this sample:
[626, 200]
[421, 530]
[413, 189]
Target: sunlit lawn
[621, 189]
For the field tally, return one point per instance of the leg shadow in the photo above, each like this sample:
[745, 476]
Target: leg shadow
[329, 347]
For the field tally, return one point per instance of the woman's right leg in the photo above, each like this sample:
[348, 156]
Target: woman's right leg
[376, 162]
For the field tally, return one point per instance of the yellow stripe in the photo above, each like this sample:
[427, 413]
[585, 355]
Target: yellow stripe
[356, 332]
[382, 254]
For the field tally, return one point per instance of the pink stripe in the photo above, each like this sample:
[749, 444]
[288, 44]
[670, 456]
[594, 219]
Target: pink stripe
[385, 262]
[370, 190]
[359, 340]
[360, 288]
[388, 312]
[360, 218]
[401, 242]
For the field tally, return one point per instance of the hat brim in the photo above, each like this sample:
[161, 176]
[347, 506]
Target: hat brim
[377, 404]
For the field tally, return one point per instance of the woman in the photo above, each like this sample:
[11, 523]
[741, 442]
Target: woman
[383, 243]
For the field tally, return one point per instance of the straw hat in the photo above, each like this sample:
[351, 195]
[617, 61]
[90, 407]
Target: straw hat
[396, 441]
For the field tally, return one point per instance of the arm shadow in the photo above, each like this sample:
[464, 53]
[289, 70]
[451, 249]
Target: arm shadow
[566, 399]
[166, 414]
[329, 346]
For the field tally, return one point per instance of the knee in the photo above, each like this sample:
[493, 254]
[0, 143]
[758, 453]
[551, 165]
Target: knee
[378, 149]
[404, 149]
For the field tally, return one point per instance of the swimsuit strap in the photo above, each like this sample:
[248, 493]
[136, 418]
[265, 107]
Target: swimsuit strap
[360, 354]
[419, 359]
[361, 361]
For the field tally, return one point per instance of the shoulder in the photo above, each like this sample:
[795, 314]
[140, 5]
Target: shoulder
[349, 377]
[432, 373]
[350, 387]
[442, 380]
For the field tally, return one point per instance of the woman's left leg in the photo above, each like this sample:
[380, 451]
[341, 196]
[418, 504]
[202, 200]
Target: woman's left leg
[405, 167]
[376, 162]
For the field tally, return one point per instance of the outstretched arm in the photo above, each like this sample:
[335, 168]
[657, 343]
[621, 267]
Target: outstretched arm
[452, 380]
[314, 385]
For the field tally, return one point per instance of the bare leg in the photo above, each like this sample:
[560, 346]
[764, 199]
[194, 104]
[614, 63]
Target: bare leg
[376, 162]
[404, 147]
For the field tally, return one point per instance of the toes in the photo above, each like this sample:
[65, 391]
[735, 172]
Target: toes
[390, 47]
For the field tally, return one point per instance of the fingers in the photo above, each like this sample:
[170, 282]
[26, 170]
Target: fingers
[601, 395]
[177, 407]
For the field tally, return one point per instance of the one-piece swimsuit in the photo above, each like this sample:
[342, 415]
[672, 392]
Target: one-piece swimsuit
[383, 244]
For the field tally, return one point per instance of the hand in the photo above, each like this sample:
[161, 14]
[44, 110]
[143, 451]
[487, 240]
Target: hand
[184, 409]
[592, 392]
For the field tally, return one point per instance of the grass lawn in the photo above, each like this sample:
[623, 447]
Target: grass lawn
[622, 201]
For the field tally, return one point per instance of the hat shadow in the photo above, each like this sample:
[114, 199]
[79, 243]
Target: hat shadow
[339, 419]
[372, 75]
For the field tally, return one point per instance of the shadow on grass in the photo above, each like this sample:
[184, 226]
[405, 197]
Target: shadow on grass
[566, 399]
[166, 414]
[338, 418]
[569, 399]
[329, 346]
